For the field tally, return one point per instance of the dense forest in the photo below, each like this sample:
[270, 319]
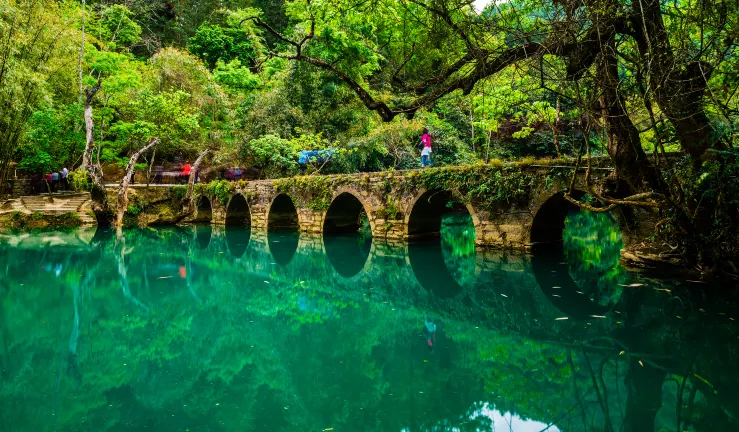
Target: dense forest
[255, 82]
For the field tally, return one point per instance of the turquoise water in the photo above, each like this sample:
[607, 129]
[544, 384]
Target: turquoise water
[227, 329]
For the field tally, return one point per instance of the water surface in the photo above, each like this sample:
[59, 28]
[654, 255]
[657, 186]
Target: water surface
[227, 329]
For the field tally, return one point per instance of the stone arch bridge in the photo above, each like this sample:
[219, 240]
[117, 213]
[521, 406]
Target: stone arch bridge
[515, 207]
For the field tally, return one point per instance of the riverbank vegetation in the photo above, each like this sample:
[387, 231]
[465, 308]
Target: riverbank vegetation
[91, 84]
[34, 221]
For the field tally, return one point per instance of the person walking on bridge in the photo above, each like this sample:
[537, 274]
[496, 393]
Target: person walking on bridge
[186, 172]
[64, 180]
[426, 150]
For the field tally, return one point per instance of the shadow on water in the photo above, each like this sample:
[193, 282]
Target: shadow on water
[553, 276]
[237, 240]
[203, 235]
[429, 267]
[445, 265]
[283, 244]
[347, 253]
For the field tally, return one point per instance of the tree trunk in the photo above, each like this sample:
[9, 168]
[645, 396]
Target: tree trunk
[624, 143]
[90, 93]
[122, 201]
[188, 206]
[677, 88]
[555, 132]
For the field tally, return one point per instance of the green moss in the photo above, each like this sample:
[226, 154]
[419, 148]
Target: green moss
[314, 192]
[485, 185]
[219, 189]
[178, 192]
[37, 220]
[390, 211]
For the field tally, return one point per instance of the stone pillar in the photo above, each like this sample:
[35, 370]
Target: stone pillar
[505, 230]
[259, 216]
[311, 221]
[387, 229]
[219, 212]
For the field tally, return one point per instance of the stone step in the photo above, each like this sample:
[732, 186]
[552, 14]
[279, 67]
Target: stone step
[55, 204]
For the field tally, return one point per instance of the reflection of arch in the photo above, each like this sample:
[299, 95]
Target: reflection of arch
[205, 210]
[424, 220]
[282, 245]
[203, 234]
[237, 212]
[549, 221]
[553, 276]
[282, 214]
[343, 216]
[348, 253]
[237, 239]
[427, 263]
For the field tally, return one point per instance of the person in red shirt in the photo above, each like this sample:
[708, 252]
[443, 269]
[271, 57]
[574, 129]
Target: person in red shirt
[186, 171]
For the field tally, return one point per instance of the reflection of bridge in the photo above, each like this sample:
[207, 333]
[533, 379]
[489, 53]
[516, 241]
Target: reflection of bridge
[511, 295]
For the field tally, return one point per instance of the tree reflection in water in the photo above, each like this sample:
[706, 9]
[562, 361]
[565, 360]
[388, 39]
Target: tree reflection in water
[592, 248]
[226, 343]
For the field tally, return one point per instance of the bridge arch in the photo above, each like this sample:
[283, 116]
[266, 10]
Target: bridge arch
[343, 215]
[549, 219]
[238, 224]
[347, 249]
[282, 214]
[423, 218]
[238, 212]
[204, 210]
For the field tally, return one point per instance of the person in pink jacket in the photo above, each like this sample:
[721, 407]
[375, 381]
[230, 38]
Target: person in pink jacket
[426, 150]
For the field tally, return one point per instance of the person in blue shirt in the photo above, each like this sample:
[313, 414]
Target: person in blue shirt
[314, 156]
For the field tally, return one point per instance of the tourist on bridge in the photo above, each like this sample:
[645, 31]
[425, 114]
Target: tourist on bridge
[64, 179]
[186, 171]
[54, 181]
[426, 151]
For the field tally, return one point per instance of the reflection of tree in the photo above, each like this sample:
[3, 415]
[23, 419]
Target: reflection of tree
[458, 246]
[592, 245]
[220, 349]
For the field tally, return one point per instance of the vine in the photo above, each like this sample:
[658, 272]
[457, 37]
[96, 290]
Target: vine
[220, 189]
[487, 185]
[314, 192]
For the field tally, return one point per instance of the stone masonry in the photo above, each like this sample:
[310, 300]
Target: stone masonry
[506, 225]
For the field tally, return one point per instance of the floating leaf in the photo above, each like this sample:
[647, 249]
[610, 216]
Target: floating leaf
[622, 353]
